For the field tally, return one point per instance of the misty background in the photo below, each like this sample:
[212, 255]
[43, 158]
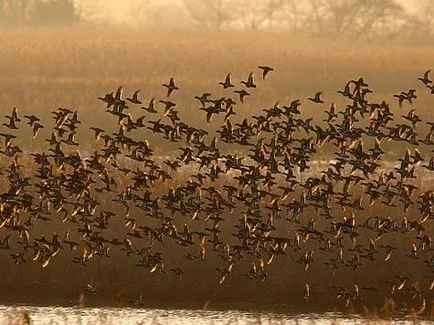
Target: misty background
[356, 19]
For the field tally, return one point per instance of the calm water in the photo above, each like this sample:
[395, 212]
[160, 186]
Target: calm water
[92, 316]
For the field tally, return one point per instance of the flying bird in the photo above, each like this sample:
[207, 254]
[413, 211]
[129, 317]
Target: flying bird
[227, 83]
[242, 93]
[317, 97]
[249, 83]
[170, 87]
[135, 99]
[265, 70]
[425, 79]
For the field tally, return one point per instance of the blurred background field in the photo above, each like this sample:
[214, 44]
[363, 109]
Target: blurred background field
[45, 69]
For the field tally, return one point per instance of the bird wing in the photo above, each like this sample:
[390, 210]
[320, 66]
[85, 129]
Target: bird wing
[119, 93]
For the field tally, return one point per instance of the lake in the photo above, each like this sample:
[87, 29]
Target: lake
[17, 314]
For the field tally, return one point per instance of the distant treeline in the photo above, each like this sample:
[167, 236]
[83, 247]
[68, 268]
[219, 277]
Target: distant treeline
[358, 20]
[38, 12]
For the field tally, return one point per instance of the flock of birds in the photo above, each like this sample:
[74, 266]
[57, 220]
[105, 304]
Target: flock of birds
[259, 196]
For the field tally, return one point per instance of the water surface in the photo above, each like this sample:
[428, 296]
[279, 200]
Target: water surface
[93, 316]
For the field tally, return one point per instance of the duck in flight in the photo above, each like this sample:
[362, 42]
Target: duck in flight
[265, 70]
[170, 87]
[227, 83]
[135, 98]
[317, 98]
[249, 83]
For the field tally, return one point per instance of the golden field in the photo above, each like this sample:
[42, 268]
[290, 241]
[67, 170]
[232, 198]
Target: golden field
[44, 69]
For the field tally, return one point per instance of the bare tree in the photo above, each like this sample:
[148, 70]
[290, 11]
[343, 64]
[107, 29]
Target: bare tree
[356, 19]
[213, 14]
[256, 14]
[315, 22]
[418, 25]
[294, 14]
[156, 14]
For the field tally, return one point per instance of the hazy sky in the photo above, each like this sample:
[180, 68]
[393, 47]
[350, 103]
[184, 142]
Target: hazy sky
[121, 9]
